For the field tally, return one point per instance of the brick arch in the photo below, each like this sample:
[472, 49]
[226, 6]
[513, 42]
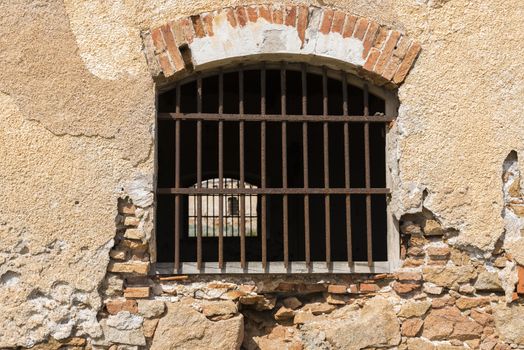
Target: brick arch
[383, 54]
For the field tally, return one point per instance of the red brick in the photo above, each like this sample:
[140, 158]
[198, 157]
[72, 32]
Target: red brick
[407, 62]
[338, 22]
[136, 292]
[387, 51]
[172, 47]
[230, 14]
[198, 27]
[380, 38]
[409, 276]
[337, 289]
[158, 40]
[265, 13]
[291, 16]
[360, 31]
[403, 288]
[252, 13]
[520, 283]
[372, 59]
[241, 16]
[207, 19]
[165, 64]
[327, 20]
[278, 16]
[369, 288]
[302, 22]
[349, 26]
[369, 38]
[115, 306]
[390, 70]
[187, 29]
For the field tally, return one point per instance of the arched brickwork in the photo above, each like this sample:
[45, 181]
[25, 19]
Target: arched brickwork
[374, 50]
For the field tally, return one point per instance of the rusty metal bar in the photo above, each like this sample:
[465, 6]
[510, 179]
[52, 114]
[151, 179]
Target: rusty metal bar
[345, 111]
[177, 181]
[367, 166]
[327, 207]
[285, 212]
[242, 172]
[221, 171]
[263, 163]
[277, 118]
[199, 174]
[306, 170]
[275, 191]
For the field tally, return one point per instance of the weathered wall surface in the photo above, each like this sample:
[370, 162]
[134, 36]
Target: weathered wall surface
[77, 109]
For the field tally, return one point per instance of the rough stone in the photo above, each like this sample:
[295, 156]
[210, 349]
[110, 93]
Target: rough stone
[432, 228]
[134, 233]
[508, 322]
[319, 308]
[488, 282]
[115, 306]
[449, 323]
[184, 328]
[449, 276]
[138, 267]
[123, 328]
[349, 327]
[219, 310]
[414, 309]
[292, 302]
[151, 308]
[403, 288]
[431, 288]
[411, 327]
[284, 313]
[471, 302]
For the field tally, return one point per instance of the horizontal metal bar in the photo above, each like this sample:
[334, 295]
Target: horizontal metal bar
[271, 191]
[272, 267]
[276, 117]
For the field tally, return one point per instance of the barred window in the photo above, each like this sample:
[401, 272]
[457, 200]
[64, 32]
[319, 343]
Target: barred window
[276, 168]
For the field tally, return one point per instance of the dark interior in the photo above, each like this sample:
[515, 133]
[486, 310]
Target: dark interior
[166, 172]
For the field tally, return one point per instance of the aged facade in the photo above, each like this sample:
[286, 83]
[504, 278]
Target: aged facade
[93, 255]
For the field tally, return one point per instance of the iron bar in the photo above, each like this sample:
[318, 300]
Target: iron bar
[242, 172]
[369, 238]
[263, 162]
[327, 209]
[177, 180]
[345, 111]
[306, 169]
[277, 118]
[275, 191]
[285, 213]
[199, 174]
[221, 171]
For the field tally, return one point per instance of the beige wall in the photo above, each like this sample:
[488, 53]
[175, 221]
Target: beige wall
[77, 110]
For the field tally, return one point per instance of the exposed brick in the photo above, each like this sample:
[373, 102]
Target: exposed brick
[165, 64]
[349, 26]
[372, 59]
[438, 252]
[158, 41]
[187, 29]
[381, 38]
[265, 13]
[369, 288]
[240, 11]
[207, 19]
[327, 20]
[387, 51]
[198, 27]
[337, 289]
[338, 22]
[252, 13]
[302, 22]
[172, 47]
[286, 287]
[520, 283]
[360, 31]
[403, 288]
[353, 289]
[115, 306]
[137, 292]
[277, 15]
[230, 14]
[369, 38]
[137, 267]
[407, 62]
[291, 16]
[409, 276]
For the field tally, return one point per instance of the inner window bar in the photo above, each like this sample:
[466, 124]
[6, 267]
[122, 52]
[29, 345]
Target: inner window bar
[286, 139]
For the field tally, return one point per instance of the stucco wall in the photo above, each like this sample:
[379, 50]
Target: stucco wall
[77, 110]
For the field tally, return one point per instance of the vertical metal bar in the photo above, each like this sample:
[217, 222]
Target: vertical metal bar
[220, 171]
[285, 213]
[345, 111]
[199, 174]
[263, 161]
[327, 211]
[242, 174]
[305, 163]
[177, 180]
[368, 179]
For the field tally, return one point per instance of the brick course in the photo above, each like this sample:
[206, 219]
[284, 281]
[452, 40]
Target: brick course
[387, 54]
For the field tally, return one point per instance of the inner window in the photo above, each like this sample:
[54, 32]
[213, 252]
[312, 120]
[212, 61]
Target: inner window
[271, 164]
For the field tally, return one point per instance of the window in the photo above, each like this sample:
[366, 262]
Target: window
[273, 168]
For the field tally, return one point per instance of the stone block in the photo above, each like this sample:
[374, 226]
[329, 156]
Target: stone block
[115, 306]
[292, 303]
[134, 233]
[219, 310]
[284, 313]
[151, 308]
[414, 308]
[137, 292]
[137, 267]
[131, 221]
[337, 289]
[411, 327]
